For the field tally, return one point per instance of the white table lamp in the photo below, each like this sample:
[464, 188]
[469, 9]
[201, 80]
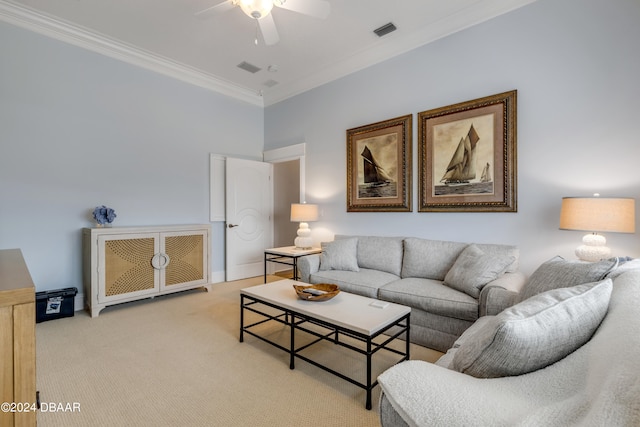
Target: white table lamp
[304, 213]
[597, 214]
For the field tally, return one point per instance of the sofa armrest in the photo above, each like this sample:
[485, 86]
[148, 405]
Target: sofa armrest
[501, 293]
[426, 394]
[308, 265]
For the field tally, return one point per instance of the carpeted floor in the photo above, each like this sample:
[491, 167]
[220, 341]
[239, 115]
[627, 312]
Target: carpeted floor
[176, 361]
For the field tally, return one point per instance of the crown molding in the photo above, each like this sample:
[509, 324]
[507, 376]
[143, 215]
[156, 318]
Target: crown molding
[395, 45]
[32, 20]
[385, 49]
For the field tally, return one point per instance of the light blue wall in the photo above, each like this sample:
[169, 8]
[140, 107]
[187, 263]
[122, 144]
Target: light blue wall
[78, 130]
[575, 64]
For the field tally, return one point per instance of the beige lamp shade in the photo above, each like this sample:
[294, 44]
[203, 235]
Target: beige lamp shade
[303, 212]
[598, 214]
[595, 214]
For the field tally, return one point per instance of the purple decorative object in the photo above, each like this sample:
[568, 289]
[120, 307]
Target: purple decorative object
[103, 215]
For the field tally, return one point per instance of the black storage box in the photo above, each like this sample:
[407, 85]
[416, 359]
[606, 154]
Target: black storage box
[55, 304]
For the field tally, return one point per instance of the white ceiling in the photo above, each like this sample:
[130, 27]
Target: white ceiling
[167, 36]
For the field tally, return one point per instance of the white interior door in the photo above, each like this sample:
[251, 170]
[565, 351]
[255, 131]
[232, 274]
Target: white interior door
[249, 206]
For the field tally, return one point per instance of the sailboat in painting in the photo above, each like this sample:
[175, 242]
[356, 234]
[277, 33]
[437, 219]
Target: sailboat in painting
[462, 166]
[486, 174]
[374, 174]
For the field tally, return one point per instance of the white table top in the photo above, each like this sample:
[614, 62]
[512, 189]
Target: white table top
[292, 251]
[347, 310]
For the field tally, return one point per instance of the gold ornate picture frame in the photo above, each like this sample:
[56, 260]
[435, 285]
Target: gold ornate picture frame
[379, 166]
[467, 156]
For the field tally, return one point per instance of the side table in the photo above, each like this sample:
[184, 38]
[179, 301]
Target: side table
[287, 255]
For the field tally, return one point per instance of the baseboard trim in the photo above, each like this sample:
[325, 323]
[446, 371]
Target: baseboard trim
[217, 276]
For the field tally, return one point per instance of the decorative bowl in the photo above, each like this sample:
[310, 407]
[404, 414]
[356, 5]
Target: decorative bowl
[328, 291]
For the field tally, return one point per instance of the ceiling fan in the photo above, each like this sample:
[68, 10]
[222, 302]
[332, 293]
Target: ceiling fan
[260, 10]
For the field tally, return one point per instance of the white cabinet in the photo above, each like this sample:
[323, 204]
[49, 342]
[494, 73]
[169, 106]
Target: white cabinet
[123, 264]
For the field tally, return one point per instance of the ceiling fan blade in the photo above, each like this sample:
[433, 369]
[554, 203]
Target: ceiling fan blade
[268, 29]
[218, 8]
[316, 8]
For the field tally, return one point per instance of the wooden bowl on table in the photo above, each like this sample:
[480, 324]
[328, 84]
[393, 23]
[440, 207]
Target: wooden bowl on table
[318, 292]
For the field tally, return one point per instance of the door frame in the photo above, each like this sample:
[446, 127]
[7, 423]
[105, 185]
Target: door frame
[217, 182]
[285, 154]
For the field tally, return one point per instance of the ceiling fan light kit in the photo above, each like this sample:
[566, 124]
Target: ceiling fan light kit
[260, 10]
[255, 9]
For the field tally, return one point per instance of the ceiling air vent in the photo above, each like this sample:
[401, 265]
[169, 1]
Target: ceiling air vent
[385, 29]
[270, 83]
[249, 67]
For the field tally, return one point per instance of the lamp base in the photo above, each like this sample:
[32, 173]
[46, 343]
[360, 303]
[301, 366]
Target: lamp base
[593, 248]
[304, 240]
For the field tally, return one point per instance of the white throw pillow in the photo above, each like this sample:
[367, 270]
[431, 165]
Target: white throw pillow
[340, 254]
[534, 333]
[474, 268]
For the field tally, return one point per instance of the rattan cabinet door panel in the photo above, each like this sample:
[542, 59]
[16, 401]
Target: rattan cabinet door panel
[187, 260]
[125, 266]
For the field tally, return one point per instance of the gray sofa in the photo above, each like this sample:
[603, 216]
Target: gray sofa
[448, 285]
[563, 357]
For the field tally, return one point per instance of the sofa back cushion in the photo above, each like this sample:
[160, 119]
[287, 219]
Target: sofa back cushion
[429, 259]
[561, 273]
[339, 255]
[379, 253]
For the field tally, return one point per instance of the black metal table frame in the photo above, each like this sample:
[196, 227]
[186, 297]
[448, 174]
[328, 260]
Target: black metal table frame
[277, 258]
[295, 321]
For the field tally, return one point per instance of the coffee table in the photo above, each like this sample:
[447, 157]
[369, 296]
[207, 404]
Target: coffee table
[345, 315]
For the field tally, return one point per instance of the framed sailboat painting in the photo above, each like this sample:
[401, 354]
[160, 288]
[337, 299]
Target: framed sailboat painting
[467, 156]
[379, 166]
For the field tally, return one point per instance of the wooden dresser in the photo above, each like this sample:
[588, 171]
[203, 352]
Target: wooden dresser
[17, 339]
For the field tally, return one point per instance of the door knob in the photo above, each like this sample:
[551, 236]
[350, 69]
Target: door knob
[232, 225]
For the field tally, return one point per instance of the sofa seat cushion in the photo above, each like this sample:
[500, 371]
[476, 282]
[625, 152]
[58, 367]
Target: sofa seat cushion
[429, 259]
[365, 282]
[534, 333]
[431, 296]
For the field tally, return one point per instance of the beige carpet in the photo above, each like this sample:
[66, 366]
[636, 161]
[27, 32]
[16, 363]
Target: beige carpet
[176, 361]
